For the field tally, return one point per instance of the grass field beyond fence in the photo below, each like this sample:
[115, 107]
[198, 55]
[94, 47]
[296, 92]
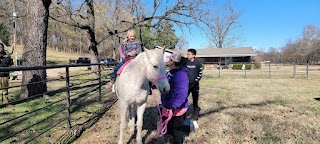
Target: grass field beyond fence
[273, 71]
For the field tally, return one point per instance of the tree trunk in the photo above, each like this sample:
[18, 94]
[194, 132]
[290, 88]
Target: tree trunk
[69, 45]
[92, 36]
[79, 50]
[93, 50]
[34, 53]
[114, 49]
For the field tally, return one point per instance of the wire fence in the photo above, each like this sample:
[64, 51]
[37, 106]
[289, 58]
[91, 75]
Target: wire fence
[264, 70]
[24, 120]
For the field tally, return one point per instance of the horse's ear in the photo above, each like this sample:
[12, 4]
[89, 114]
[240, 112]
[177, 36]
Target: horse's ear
[164, 49]
[146, 50]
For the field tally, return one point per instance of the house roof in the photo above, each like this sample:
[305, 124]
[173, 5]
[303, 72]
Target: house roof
[223, 52]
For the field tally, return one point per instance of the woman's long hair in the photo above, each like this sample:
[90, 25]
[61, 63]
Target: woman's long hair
[127, 36]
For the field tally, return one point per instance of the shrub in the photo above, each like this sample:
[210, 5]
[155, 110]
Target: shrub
[257, 65]
[239, 66]
[256, 62]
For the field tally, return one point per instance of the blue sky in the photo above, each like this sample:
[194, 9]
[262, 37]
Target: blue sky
[267, 23]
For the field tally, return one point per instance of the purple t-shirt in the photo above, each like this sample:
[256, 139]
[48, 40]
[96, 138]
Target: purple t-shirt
[178, 95]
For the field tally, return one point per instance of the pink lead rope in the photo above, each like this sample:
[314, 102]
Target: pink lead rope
[158, 78]
[161, 126]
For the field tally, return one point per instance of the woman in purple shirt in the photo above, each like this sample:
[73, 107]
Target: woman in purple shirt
[177, 98]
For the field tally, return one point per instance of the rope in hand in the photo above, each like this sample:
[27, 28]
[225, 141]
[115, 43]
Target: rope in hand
[162, 126]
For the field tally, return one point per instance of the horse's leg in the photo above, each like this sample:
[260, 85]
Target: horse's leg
[132, 118]
[123, 113]
[140, 112]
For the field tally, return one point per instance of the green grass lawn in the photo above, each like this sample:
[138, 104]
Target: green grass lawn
[53, 57]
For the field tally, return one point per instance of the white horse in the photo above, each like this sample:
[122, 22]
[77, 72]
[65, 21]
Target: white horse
[132, 87]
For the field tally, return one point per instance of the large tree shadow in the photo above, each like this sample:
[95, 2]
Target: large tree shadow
[72, 88]
[77, 130]
[219, 109]
[150, 120]
[151, 117]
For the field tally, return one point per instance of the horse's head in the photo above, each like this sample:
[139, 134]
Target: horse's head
[156, 69]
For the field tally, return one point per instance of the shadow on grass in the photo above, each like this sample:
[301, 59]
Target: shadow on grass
[237, 106]
[318, 99]
[8, 129]
[23, 128]
[61, 90]
[84, 95]
[29, 106]
[151, 119]
[83, 102]
[76, 131]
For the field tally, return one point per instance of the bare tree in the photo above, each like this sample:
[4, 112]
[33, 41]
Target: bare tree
[222, 27]
[273, 55]
[305, 48]
[182, 13]
[291, 52]
[84, 21]
[310, 42]
[7, 9]
[34, 53]
[123, 15]
[182, 43]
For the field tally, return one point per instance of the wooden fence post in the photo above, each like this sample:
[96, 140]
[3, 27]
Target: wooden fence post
[68, 97]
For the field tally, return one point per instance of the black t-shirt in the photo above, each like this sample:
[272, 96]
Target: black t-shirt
[194, 71]
[5, 61]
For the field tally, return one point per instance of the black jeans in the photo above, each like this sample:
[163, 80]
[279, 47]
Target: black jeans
[194, 90]
[177, 128]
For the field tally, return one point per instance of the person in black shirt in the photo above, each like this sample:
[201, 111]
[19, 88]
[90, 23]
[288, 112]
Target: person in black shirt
[5, 61]
[195, 75]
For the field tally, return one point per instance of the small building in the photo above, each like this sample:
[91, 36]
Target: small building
[224, 55]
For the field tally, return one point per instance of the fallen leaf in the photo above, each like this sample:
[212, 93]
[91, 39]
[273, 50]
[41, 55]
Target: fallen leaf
[248, 138]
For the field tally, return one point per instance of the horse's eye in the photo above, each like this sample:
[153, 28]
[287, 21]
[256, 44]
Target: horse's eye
[155, 67]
